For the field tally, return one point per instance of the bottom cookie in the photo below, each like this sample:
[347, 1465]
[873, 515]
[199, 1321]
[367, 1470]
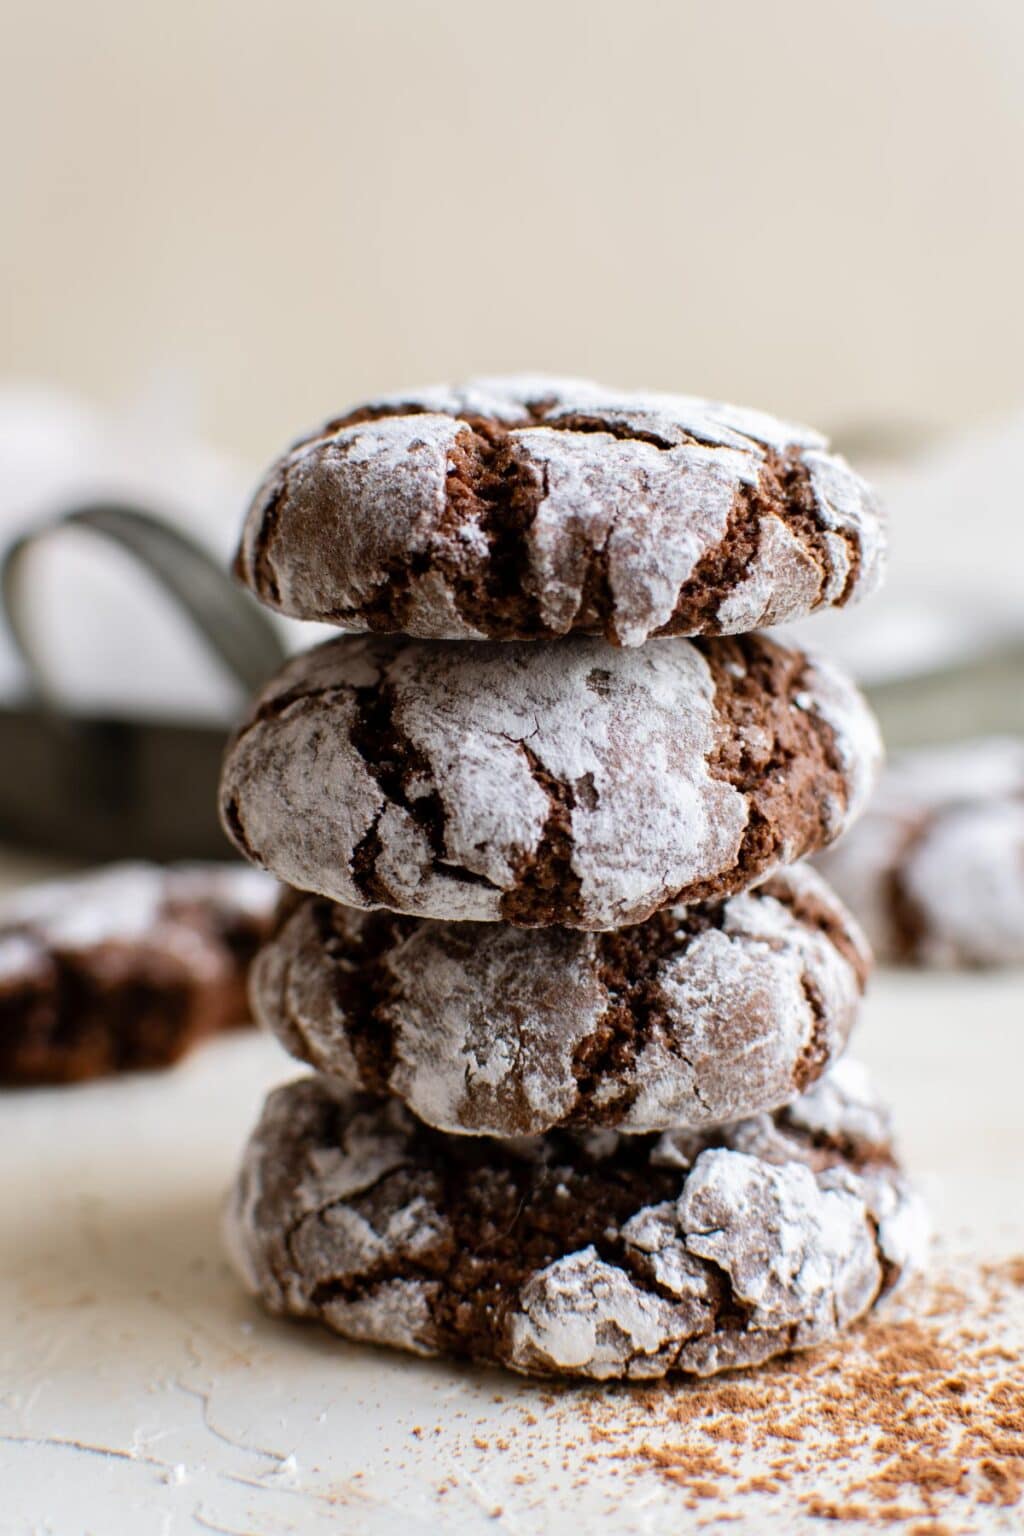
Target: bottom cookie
[594, 1255]
[124, 968]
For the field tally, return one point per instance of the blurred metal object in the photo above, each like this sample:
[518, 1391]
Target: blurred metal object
[102, 787]
[233, 627]
[96, 789]
[982, 695]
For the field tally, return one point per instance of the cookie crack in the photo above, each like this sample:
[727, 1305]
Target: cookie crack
[799, 508]
[264, 576]
[363, 988]
[695, 1085]
[232, 817]
[628, 964]
[278, 704]
[537, 413]
[783, 490]
[511, 1094]
[782, 757]
[730, 1312]
[395, 763]
[622, 431]
[488, 485]
[391, 606]
[836, 1148]
[363, 864]
[547, 888]
[817, 1051]
[352, 1288]
[890, 1271]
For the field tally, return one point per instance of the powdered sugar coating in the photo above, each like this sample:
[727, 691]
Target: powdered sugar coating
[854, 734]
[533, 507]
[935, 870]
[842, 1104]
[132, 903]
[562, 783]
[733, 1258]
[690, 1019]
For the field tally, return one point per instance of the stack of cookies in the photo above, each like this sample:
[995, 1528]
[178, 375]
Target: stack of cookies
[573, 1007]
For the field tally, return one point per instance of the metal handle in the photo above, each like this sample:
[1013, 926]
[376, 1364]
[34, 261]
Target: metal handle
[238, 634]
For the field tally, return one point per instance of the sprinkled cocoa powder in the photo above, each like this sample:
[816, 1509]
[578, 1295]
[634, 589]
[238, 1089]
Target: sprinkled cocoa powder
[917, 1417]
[912, 1421]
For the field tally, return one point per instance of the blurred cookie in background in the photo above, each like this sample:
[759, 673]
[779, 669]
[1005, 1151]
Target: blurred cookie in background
[934, 870]
[125, 968]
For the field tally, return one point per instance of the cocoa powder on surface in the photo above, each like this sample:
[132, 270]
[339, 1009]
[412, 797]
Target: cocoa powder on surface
[914, 1420]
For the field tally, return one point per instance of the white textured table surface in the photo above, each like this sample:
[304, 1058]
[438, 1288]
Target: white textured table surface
[142, 1394]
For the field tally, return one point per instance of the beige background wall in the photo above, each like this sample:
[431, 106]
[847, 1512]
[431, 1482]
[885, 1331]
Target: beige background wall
[814, 206]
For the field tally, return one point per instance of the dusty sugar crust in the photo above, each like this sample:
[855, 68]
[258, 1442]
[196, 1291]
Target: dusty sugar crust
[126, 967]
[595, 1255]
[935, 870]
[533, 508]
[699, 1015]
[531, 784]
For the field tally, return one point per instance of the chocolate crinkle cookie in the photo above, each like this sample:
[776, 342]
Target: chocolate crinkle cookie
[594, 1255]
[126, 967]
[935, 870]
[530, 508]
[699, 1015]
[552, 783]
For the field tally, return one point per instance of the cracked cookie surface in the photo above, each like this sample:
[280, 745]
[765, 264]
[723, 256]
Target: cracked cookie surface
[935, 870]
[590, 1255]
[700, 1015]
[531, 508]
[125, 968]
[562, 783]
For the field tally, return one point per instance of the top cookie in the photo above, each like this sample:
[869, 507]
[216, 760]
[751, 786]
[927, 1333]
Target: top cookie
[529, 508]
